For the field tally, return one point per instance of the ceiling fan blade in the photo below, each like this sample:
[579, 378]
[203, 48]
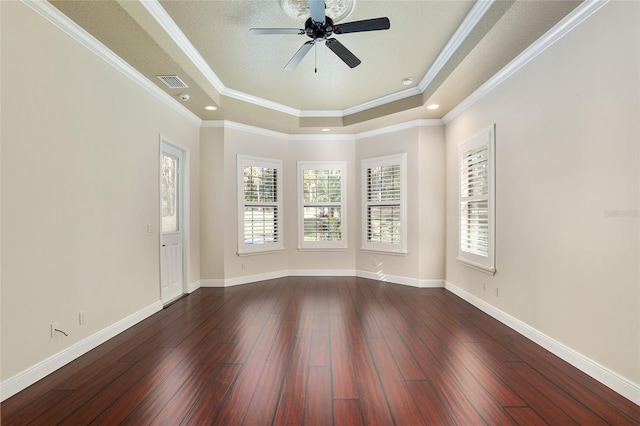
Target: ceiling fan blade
[304, 49]
[316, 7]
[275, 31]
[375, 24]
[343, 53]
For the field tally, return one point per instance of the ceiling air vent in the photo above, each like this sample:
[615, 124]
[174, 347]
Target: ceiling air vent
[173, 81]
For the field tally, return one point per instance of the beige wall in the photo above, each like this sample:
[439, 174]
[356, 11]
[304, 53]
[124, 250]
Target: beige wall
[74, 231]
[239, 142]
[567, 152]
[431, 199]
[80, 150]
[425, 203]
[424, 147]
[213, 216]
[321, 149]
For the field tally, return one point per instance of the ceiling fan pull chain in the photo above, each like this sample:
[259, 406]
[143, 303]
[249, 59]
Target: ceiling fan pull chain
[315, 51]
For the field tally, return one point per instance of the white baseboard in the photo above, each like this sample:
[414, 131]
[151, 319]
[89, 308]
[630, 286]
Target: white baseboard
[321, 273]
[602, 374]
[607, 377]
[414, 282]
[230, 282]
[211, 282]
[26, 378]
[193, 286]
[432, 284]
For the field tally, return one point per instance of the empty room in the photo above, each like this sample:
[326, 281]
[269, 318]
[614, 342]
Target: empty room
[341, 212]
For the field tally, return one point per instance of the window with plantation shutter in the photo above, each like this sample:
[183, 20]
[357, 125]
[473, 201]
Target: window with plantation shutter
[259, 205]
[476, 225]
[384, 212]
[322, 205]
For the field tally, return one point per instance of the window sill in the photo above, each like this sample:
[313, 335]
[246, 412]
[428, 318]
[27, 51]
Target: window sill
[255, 253]
[322, 248]
[476, 266]
[383, 251]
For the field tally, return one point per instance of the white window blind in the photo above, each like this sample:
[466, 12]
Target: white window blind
[321, 189]
[476, 233]
[260, 205]
[474, 194]
[384, 213]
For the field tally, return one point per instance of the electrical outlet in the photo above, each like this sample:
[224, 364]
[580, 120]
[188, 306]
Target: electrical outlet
[81, 318]
[53, 327]
[495, 291]
[244, 265]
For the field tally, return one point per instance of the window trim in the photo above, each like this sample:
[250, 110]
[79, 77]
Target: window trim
[389, 248]
[252, 249]
[323, 245]
[481, 263]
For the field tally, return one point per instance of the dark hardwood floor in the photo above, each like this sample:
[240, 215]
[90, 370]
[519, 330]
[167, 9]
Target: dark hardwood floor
[316, 351]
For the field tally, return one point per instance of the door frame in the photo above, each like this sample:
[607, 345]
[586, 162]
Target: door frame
[184, 217]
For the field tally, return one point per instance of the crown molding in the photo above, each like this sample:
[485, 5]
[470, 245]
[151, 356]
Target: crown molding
[468, 24]
[156, 10]
[558, 31]
[322, 137]
[322, 113]
[161, 16]
[226, 124]
[61, 21]
[245, 97]
[213, 124]
[399, 127]
[73, 30]
[158, 13]
[393, 97]
[253, 129]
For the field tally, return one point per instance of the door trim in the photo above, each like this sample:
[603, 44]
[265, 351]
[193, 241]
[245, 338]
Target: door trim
[186, 213]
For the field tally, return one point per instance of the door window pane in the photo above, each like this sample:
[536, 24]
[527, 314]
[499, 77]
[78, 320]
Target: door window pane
[169, 193]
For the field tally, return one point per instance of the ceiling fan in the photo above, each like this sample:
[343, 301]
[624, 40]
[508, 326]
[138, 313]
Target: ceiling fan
[320, 28]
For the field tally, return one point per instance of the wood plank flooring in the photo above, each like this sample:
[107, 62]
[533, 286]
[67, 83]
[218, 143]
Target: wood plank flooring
[319, 351]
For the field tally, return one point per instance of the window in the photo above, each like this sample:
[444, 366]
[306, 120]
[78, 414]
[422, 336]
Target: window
[384, 213]
[477, 188]
[322, 205]
[259, 205]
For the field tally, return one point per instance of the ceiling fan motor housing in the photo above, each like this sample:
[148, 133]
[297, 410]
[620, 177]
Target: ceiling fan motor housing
[318, 30]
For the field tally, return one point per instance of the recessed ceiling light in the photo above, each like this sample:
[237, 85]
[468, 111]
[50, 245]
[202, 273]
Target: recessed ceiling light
[407, 81]
[210, 108]
[433, 106]
[325, 129]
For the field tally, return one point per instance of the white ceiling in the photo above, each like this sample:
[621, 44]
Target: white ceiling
[448, 47]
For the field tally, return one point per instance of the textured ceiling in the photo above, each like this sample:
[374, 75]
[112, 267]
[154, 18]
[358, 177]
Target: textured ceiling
[419, 31]
[207, 44]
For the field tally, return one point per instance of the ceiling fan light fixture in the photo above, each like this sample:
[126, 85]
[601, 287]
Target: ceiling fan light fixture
[320, 27]
[335, 9]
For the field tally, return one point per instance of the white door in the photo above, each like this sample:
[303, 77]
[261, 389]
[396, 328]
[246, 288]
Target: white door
[171, 200]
